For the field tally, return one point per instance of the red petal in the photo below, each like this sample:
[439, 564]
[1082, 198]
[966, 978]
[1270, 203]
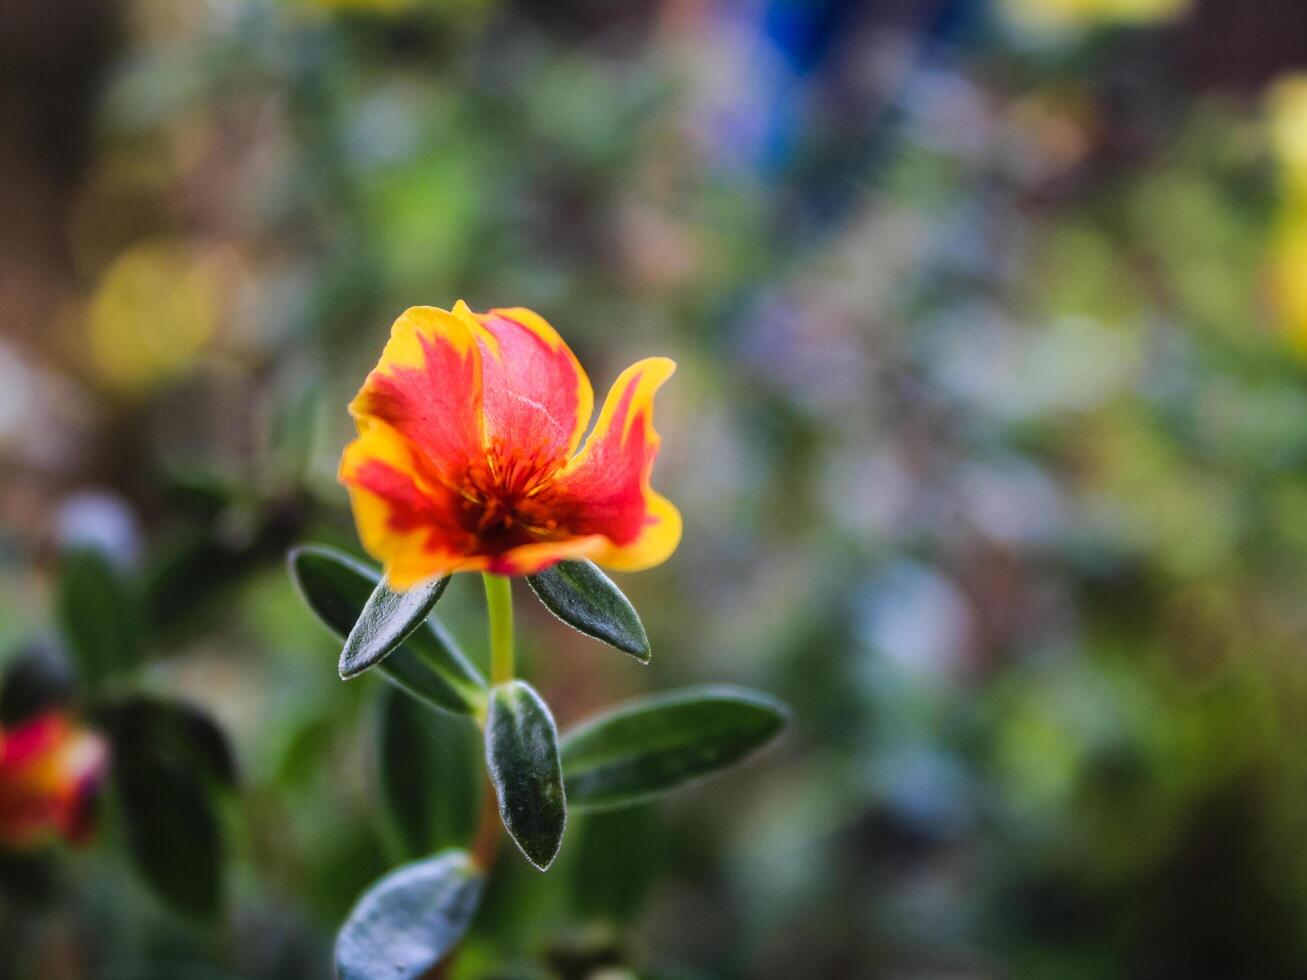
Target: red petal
[427, 387]
[537, 398]
[605, 489]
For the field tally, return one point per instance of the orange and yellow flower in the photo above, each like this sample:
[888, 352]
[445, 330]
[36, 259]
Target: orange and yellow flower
[466, 458]
[50, 772]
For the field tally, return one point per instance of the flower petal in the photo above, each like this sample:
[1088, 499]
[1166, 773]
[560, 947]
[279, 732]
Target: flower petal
[604, 490]
[407, 518]
[427, 388]
[527, 559]
[537, 398]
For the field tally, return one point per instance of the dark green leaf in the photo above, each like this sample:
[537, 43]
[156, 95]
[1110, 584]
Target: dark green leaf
[409, 920]
[171, 729]
[167, 759]
[583, 597]
[29, 880]
[99, 615]
[35, 681]
[522, 755]
[429, 771]
[385, 622]
[610, 877]
[171, 829]
[428, 664]
[652, 745]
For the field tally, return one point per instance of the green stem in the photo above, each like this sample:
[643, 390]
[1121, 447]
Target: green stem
[499, 607]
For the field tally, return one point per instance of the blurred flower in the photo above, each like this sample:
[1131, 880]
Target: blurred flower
[1054, 14]
[50, 772]
[1287, 108]
[466, 457]
[1287, 103]
[99, 521]
[1288, 278]
[153, 311]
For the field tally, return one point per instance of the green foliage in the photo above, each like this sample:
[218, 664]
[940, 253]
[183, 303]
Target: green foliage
[618, 856]
[650, 746]
[168, 762]
[99, 614]
[35, 681]
[405, 923]
[428, 773]
[586, 599]
[427, 766]
[426, 663]
[522, 756]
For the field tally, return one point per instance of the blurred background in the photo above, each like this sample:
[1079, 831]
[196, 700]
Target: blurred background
[990, 434]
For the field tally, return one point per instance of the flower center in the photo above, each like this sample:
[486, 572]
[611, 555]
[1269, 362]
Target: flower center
[499, 497]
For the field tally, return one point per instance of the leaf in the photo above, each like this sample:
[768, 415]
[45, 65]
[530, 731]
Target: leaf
[168, 757]
[583, 597]
[171, 831]
[36, 680]
[173, 729]
[522, 756]
[428, 664]
[386, 620]
[611, 878]
[409, 920]
[652, 745]
[429, 774]
[99, 615]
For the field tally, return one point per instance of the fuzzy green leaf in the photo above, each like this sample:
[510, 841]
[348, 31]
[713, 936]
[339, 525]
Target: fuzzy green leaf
[583, 597]
[427, 664]
[650, 746]
[410, 919]
[522, 756]
[385, 622]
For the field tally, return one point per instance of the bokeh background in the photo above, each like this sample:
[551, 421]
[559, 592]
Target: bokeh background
[990, 434]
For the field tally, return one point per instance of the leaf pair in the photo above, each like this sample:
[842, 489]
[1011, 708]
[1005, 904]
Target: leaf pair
[389, 630]
[392, 630]
[639, 751]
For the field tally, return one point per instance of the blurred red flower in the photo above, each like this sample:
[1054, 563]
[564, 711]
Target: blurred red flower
[50, 773]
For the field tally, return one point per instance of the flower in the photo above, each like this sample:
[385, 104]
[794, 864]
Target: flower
[466, 457]
[1287, 258]
[50, 773]
[1287, 128]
